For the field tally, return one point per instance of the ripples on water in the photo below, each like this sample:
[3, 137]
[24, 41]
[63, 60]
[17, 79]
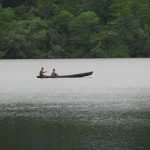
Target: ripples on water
[82, 114]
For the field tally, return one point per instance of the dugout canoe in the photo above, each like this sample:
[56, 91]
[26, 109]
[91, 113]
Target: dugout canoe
[79, 75]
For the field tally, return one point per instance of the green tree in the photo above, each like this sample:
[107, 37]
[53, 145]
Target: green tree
[83, 28]
[97, 51]
[141, 10]
[1, 54]
[127, 26]
[62, 20]
[24, 39]
[16, 3]
[46, 9]
[101, 8]
[6, 15]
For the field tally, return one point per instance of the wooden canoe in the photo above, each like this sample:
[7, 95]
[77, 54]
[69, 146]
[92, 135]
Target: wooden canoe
[79, 75]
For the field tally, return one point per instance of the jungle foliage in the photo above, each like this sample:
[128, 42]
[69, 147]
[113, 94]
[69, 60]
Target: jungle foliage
[74, 29]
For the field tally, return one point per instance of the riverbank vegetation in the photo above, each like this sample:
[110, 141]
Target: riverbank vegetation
[74, 29]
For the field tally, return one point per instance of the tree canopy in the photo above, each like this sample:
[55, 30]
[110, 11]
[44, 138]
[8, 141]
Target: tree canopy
[74, 29]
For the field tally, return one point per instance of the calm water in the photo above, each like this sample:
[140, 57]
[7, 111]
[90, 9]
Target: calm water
[109, 110]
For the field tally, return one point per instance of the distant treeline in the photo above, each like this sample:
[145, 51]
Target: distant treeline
[74, 28]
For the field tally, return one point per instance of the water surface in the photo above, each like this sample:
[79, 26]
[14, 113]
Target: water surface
[109, 110]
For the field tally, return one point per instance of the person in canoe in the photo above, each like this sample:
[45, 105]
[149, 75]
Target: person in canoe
[54, 74]
[41, 73]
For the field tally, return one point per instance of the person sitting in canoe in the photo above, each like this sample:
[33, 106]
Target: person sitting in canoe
[41, 73]
[54, 74]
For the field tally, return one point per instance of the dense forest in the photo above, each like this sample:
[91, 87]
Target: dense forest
[74, 28]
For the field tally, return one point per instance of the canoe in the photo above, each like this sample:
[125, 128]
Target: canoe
[79, 75]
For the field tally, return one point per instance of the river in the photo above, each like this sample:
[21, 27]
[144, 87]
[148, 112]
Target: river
[109, 110]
